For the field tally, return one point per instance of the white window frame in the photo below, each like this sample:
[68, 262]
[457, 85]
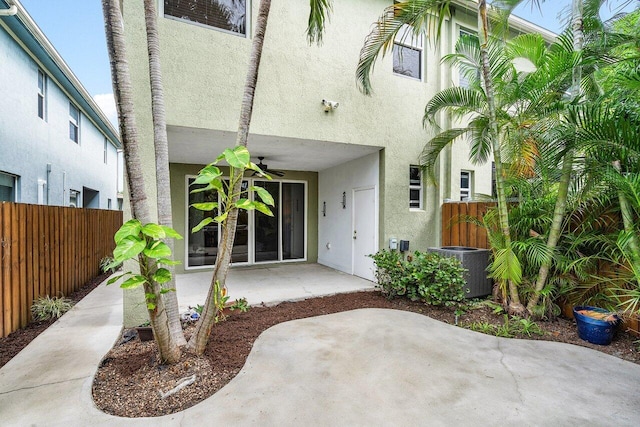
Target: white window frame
[466, 192]
[42, 94]
[74, 122]
[247, 24]
[462, 81]
[14, 187]
[405, 39]
[251, 226]
[419, 187]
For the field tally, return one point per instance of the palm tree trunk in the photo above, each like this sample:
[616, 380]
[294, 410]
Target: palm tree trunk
[567, 167]
[515, 306]
[161, 145]
[169, 352]
[201, 335]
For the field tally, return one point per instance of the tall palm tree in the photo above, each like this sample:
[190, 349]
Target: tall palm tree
[161, 145]
[168, 348]
[202, 332]
[428, 16]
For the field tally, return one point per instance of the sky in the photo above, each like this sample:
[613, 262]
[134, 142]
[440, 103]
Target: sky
[76, 30]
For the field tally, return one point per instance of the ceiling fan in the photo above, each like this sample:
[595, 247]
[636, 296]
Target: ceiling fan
[266, 169]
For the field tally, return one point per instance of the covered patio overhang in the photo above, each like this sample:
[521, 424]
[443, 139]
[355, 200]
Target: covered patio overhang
[201, 146]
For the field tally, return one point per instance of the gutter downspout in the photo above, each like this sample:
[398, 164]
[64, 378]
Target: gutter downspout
[9, 12]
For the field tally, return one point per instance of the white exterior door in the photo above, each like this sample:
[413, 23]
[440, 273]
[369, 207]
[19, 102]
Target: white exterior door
[364, 232]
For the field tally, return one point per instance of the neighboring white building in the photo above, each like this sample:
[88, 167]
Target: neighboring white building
[56, 146]
[350, 181]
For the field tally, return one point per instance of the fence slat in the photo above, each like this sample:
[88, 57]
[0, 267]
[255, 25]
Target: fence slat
[462, 233]
[48, 250]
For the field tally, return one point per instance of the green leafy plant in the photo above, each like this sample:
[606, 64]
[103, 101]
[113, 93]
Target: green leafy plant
[429, 277]
[483, 327]
[528, 327]
[134, 239]
[220, 299]
[211, 177]
[45, 308]
[107, 265]
[240, 304]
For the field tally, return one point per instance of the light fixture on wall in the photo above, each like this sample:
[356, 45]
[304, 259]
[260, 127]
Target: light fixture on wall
[329, 105]
[324, 208]
[344, 200]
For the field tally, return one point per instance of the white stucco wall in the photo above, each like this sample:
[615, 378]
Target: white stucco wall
[28, 143]
[335, 229]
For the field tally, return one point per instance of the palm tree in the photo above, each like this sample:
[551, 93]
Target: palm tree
[161, 145]
[168, 348]
[428, 16]
[202, 332]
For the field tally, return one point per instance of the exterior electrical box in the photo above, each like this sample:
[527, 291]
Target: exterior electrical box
[393, 243]
[404, 245]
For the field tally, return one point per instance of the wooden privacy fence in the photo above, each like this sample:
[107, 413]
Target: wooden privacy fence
[458, 232]
[48, 250]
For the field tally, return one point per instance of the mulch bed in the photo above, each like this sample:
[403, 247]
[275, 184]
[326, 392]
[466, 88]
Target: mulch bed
[16, 341]
[130, 379]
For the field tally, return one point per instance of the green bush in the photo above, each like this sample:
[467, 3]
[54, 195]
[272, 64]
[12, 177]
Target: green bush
[429, 277]
[45, 308]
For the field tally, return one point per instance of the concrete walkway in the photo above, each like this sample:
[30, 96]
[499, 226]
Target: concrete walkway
[362, 367]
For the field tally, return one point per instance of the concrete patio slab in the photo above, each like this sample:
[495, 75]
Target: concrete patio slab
[368, 367]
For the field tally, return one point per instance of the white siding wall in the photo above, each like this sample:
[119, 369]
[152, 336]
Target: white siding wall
[28, 143]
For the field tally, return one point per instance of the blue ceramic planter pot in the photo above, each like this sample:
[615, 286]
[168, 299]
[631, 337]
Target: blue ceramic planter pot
[595, 331]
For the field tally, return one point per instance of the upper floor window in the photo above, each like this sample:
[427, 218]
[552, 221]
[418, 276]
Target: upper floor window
[74, 123]
[415, 187]
[463, 78]
[228, 15]
[8, 187]
[407, 54]
[42, 95]
[465, 186]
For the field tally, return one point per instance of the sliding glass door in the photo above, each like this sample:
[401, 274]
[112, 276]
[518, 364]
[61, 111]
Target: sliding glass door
[259, 237]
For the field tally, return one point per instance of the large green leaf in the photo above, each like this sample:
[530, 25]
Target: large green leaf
[207, 206]
[264, 195]
[171, 233]
[208, 220]
[167, 261]
[129, 228]
[261, 207]
[158, 249]
[154, 231]
[245, 204]
[129, 247]
[221, 218]
[116, 278]
[162, 275]
[133, 282]
[207, 175]
[238, 158]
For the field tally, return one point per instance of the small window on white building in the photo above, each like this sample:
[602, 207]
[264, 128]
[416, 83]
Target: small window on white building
[8, 187]
[109, 204]
[463, 80]
[74, 198]
[226, 15]
[415, 187]
[74, 123]
[407, 54]
[465, 185]
[42, 95]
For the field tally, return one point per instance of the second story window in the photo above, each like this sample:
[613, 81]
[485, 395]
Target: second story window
[415, 187]
[42, 95]
[463, 78]
[407, 54]
[74, 123]
[465, 186]
[227, 15]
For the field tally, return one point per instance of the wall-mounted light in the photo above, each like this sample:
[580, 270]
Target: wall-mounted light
[344, 200]
[324, 208]
[329, 105]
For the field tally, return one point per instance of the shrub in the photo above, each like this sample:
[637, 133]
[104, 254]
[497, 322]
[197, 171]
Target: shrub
[429, 277]
[106, 265]
[45, 308]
